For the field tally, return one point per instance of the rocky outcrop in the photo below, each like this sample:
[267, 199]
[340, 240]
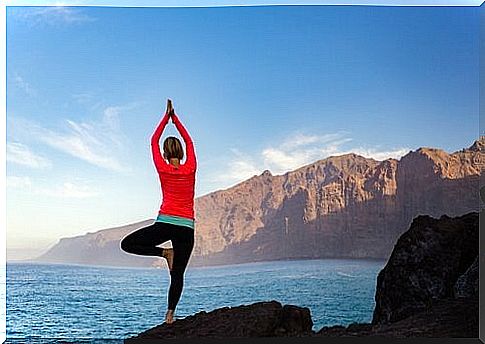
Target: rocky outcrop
[345, 206]
[428, 288]
[425, 264]
[444, 318]
[261, 319]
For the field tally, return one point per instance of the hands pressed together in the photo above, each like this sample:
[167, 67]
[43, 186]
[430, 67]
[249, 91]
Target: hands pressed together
[170, 109]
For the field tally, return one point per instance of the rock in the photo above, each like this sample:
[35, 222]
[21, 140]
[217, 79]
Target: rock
[467, 284]
[345, 206]
[433, 261]
[444, 318]
[425, 264]
[260, 319]
[296, 320]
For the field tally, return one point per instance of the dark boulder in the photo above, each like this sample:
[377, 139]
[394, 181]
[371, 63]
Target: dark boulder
[425, 265]
[260, 319]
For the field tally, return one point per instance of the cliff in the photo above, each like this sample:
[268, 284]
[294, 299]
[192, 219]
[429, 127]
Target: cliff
[99, 248]
[343, 206]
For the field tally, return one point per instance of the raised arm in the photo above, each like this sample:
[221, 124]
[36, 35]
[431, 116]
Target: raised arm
[160, 163]
[191, 161]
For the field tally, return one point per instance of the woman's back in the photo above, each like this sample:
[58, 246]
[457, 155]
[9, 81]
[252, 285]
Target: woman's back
[177, 183]
[178, 189]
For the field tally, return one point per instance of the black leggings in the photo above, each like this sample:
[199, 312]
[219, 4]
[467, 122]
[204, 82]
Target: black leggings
[144, 241]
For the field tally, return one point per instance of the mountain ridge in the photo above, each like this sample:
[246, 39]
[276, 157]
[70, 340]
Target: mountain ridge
[339, 206]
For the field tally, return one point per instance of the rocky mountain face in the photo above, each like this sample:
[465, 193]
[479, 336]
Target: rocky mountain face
[97, 248]
[344, 206]
[428, 288]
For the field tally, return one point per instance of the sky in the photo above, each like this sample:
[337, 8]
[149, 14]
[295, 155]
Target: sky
[265, 87]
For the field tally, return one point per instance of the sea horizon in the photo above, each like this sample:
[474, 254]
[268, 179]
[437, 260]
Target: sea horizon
[33, 262]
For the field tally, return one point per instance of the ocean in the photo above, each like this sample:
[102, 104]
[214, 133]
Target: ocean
[92, 302]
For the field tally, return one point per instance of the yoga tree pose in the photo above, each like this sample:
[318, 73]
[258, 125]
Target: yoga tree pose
[175, 220]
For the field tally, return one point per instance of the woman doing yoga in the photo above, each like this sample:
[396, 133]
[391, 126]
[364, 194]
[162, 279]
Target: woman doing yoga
[175, 220]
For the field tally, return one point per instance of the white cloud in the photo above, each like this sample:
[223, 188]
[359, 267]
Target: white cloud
[240, 168]
[66, 190]
[111, 121]
[24, 85]
[49, 15]
[83, 98]
[297, 150]
[16, 182]
[282, 159]
[379, 155]
[299, 138]
[19, 153]
[97, 142]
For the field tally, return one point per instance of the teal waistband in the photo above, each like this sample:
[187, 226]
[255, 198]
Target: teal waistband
[176, 220]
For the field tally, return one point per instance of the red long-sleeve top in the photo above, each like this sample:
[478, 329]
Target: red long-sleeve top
[177, 183]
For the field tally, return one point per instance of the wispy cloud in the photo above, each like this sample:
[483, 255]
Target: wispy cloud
[99, 143]
[298, 139]
[241, 167]
[297, 150]
[378, 154]
[291, 155]
[65, 190]
[50, 15]
[20, 154]
[17, 182]
[68, 190]
[22, 84]
[83, 98]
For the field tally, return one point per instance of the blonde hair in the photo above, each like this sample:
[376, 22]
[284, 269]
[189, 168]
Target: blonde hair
[172, 148]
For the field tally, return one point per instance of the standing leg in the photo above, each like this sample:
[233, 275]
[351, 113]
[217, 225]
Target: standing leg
[183, 243]
[144, 241]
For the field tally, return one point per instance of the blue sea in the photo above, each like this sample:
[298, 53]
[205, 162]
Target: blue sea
[85, 302]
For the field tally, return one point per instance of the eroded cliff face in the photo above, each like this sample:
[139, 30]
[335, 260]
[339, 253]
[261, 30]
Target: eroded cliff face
[341, 206]
[433, 182]
[344, 206]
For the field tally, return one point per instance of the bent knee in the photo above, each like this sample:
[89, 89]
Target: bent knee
[125, 245]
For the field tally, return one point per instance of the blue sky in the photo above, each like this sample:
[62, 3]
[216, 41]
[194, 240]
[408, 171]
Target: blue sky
[268, 87]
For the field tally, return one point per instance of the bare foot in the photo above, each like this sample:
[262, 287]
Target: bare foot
[169, 316]
[168, 255]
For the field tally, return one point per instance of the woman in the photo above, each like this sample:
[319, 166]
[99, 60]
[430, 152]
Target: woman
[175, 219]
